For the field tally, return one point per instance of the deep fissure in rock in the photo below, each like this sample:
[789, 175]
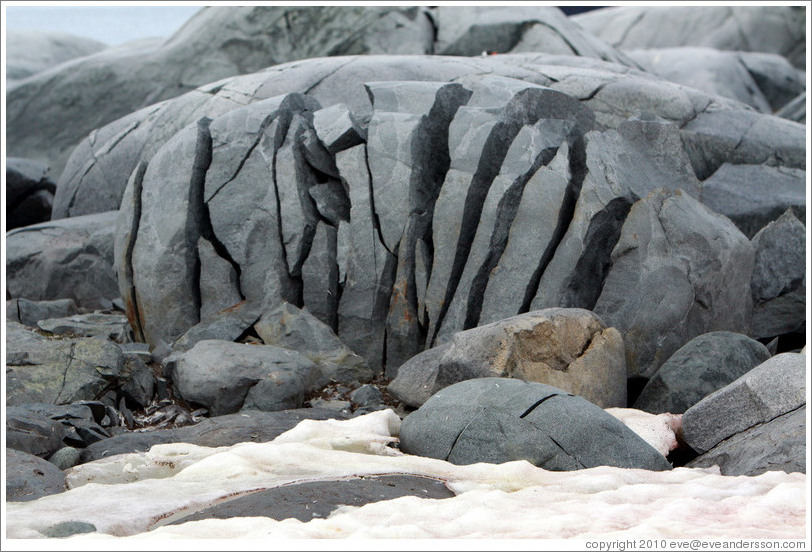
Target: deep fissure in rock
[195, 208]
[132, 309]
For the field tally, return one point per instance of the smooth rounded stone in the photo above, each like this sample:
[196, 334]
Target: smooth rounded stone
[65, 259]
[217, 42]
[226, 377]
[772, 29]
[29, 477]
[66, 457]
[292, 328]
[698, 368]
[366, 396]
[29, 313]
[68, 528]
[726, 74]
[29, 52]
[114, 327]
[678, 271]
[29, 192]
[59, 371]
[778, 287]
[318, 499]
[776, 445]
[230, 429]
[498, 420]
[752, 196]
[570, 349]
[772, 388]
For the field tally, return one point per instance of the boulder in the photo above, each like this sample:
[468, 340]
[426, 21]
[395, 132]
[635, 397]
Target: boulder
[30, 52]
[29, 193]
[59, 371]
[678, 270]
[778, 444]
[43, 429]
[706, 363]
[778, 282]
[105, 325]
[773, 388]
[226, 377]
[570, 349]
[66, 259]
[772, 29]
[752, 196]
[29, 477]
[498, 420]
[29, 313]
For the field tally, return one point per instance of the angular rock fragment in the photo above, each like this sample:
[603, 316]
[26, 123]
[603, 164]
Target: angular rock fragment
[98, 324]
[29, 193]
[29, 313]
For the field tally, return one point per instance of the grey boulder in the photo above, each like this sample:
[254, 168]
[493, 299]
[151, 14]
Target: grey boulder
[105, 325]
[29, 313]
[30, 52]
[772, 389]
[570, 349]
[66, 259]
[706, 363]
[498, 420]
[226, 377]
[29, 477]
[43, 429]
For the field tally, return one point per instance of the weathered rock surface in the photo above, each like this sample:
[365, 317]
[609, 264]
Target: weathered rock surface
[772, 29]
[29, 313]
[29, 477]
[107, 325]
[29, 52]
[570, 349]
[43, 429]
[698, 368]
[66, 259]
[59, 371]
[499, 419]
[779, 274]
[29, 193]
[230, 429]
[772, 389]
[775, 445]
[226, 377]
[318, 499]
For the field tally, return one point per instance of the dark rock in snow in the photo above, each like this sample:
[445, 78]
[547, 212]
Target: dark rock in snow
[698, 368]
[29, 477]
[499, 420]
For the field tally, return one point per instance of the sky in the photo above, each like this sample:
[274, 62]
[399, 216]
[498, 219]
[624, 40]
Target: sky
[110, 24]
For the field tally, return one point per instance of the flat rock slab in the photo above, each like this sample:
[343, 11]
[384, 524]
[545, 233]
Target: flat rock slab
[499, 420]
[29, 313]
[253, 425]
[98, 324]
[318, 499]
[29, 477]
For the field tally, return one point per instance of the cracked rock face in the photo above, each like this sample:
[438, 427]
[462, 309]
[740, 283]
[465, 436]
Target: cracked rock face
[498, 420]
[570, 349]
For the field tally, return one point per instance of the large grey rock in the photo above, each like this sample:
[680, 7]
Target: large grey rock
[570, 349]
[42, 429]
[228, 324]
[29, 477]
[773, 29]
[29, 52]
[216, 43]
[775, 445]
[292, 328]
[698, 368]
[106, 325]
[763, 81]
[775, 387]
[499, 420]
[67, 259]
[59, 371]
[29, 193]
[226, 377]
[218, 431]
[778, 283]
[752, 196]
[29, 313]
[678, 271]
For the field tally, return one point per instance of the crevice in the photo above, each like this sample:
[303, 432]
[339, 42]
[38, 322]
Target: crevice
[132, 308]
[327, 76]
[592, 94]
[619, 43]
[536, 405]
[589, 275]
[65, 373]
[578, 172]
[435, 29]
[565, 451]
[195, 208]
[376, 221]
[505, 214]
[296, 291]
[457, 438]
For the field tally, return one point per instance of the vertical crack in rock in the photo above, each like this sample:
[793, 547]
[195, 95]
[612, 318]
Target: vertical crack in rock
[556, 443]
[578, 172]
[586, 282]
[457, 438]
[196, 207]
[131, 306]
[376, 221]
[506, 213]
[65, 373]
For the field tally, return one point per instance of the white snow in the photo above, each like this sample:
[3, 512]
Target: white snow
[137, 494]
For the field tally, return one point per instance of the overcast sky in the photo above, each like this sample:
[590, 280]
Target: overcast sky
[109, 24]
